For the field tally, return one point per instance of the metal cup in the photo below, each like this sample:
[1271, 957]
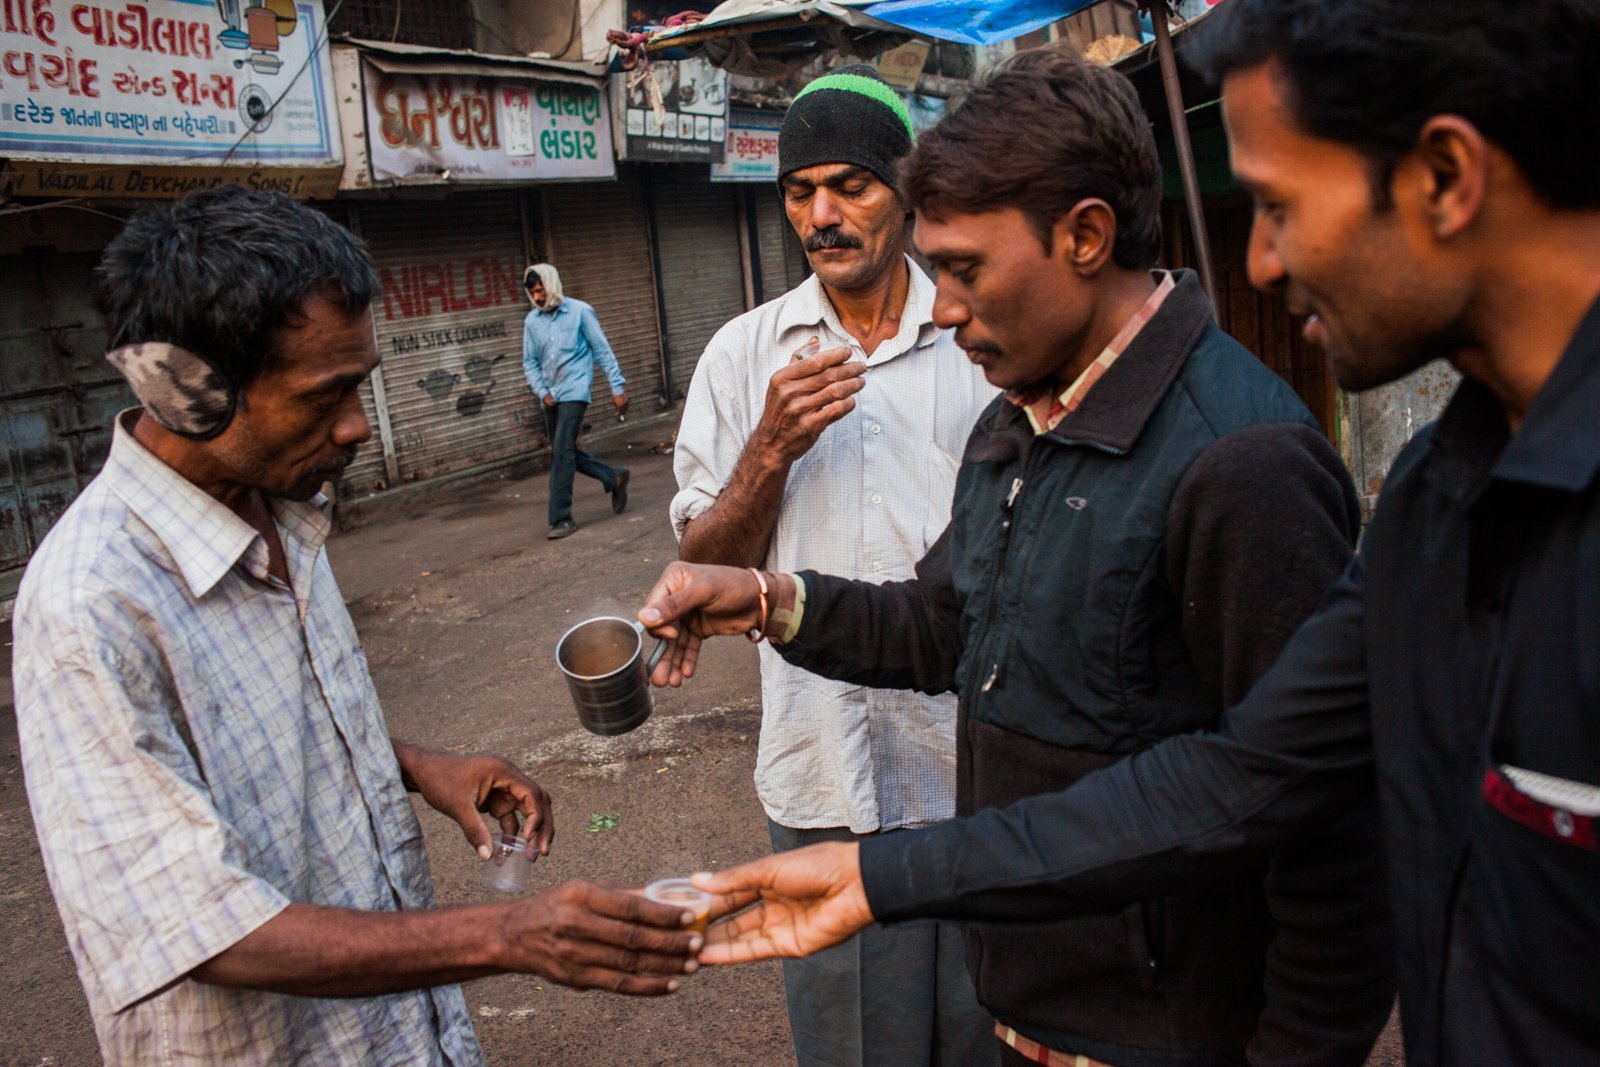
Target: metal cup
[608, 673]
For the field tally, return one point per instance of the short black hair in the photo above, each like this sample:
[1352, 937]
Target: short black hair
[1086, 136]
[1370, 73]
[222, 271]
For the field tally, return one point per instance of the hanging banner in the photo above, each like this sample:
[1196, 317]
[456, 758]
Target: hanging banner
[447, 127]
[677, 112]
[235, 83]
[751, 150]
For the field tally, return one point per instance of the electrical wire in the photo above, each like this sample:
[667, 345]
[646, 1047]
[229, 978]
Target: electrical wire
[311, 54]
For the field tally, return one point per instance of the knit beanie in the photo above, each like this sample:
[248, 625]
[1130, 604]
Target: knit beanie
[850, 115]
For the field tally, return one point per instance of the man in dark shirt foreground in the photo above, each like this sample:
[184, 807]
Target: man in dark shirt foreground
[1424, 190]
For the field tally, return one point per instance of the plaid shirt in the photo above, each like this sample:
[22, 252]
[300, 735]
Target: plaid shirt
[865, 502]
[203, 745]
[1045, 412]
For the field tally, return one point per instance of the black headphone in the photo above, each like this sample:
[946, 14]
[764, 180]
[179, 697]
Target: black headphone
[182, 390]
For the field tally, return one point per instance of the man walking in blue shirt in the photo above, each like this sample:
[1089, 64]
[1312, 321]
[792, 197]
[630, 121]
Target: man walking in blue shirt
[561, 341]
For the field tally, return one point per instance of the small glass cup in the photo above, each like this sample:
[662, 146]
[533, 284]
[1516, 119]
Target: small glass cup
[812, 347]
[679, 892]
[508, 864]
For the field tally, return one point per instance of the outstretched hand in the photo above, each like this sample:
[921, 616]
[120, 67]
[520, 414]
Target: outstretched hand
[694, 601]
[468, 787]
[805, 901]
[589, 935]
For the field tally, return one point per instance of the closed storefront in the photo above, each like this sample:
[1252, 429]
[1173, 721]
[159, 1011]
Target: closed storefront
[782, 260]
[598, 237]
[702, 272]
[58, 395]
[449, 330]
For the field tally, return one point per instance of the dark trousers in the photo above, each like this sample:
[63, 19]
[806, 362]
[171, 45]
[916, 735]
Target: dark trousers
[892, 996]
[562, 423]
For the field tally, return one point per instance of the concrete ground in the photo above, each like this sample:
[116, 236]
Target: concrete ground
[460, 601]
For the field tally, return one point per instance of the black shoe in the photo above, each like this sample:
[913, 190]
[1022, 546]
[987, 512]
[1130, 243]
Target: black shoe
[561, 529]
[619, 491]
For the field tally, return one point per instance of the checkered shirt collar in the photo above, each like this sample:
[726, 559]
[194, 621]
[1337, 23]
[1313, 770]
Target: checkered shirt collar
[807, 307]
[204, 538]
[1046, 412]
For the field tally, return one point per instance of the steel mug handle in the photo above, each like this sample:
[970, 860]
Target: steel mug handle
[655, 653]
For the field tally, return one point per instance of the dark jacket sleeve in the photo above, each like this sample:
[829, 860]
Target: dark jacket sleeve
[898, 635]
[1261, 524]
[1296, 752]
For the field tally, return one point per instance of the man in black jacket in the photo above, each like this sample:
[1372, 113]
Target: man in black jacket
[1139, 523]
[1422, 191]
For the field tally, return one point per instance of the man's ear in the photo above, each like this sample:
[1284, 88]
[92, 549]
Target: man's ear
[1085, 236]
[1452, 162]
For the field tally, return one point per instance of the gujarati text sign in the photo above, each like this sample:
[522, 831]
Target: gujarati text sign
[442, 127]
[246, 82]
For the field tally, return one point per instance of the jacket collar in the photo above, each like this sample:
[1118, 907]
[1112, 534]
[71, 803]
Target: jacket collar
[1115, 411]
[1558, 444]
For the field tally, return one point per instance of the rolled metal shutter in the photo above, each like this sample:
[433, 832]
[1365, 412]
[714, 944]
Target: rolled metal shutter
[783, 261]
[449, 326]
[697, 224]
[599, 239]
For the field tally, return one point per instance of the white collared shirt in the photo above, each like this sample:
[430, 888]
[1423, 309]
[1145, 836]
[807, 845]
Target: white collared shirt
[203, 745]
[865, 502]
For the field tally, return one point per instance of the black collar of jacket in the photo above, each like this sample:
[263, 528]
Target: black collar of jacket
[1558, 444]
[1115, 411]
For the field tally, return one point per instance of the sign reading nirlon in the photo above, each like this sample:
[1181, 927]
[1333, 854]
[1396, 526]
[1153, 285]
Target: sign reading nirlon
[226, 84]
[676, 112]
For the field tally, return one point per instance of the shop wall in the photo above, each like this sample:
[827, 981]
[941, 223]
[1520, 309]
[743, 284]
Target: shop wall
[1258, 320]
[702, 272]
[449, 331]
[598, 237]
[783, 261]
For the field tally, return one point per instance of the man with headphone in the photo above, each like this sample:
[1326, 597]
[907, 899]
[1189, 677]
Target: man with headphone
[222, 812]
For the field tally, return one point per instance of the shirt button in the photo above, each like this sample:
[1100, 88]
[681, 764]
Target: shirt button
[1561, 819]
[879, 705]
[877, 564]
[876, 428]
[876, 499]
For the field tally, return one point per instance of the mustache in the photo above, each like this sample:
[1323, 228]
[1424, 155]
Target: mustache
[963, 343]
[832, 237]
[335, 467]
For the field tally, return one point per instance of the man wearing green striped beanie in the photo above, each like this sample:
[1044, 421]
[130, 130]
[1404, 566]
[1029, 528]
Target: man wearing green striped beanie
[848, 116]
[842, 459]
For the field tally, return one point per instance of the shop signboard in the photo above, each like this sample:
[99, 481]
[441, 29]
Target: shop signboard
[676, 112]
[451, 127]
[751, 150]
[902, 67]
[229, 83]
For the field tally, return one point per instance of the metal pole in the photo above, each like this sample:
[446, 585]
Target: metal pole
[1180, 138]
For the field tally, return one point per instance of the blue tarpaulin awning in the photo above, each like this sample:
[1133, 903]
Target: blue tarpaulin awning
[970, 22]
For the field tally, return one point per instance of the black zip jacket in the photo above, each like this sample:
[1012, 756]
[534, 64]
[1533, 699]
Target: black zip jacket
[1101, 587]
[1461, 640]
